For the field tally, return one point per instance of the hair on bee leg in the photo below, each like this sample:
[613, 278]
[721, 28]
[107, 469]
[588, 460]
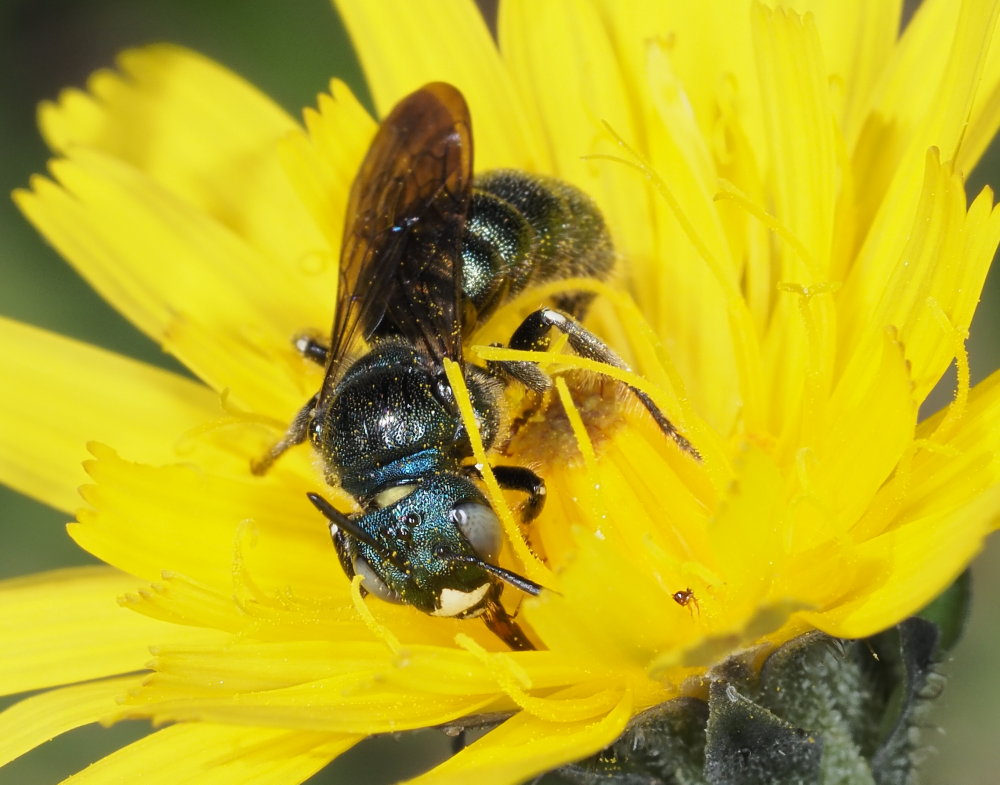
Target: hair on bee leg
[532, 335]
[297, 432]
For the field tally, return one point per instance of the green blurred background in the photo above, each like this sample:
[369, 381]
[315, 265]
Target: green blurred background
[290, 50]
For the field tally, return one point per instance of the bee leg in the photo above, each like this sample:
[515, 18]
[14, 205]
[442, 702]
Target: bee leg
[518, 478]
[527, 373]
[532, 334]
[505, 628]
[296, 434]
[345, 553]
[311, 349]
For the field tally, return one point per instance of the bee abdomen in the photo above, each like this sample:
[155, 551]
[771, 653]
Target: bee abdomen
[525, 230]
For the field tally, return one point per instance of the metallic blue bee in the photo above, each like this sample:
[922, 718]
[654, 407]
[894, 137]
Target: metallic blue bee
[428, 254]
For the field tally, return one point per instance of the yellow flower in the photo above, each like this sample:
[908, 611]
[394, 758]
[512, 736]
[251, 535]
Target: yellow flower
[799, 268]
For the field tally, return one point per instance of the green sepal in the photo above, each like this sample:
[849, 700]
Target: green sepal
[820, 710]
[906, 654]
[750, 745]
[665, 744]
[950, 611]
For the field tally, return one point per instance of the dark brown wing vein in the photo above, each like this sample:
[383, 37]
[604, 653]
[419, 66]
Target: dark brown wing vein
[400, 271]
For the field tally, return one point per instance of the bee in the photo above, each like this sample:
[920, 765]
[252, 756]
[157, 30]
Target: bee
[429, 252]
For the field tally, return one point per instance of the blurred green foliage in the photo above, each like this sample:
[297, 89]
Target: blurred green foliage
[290, 50]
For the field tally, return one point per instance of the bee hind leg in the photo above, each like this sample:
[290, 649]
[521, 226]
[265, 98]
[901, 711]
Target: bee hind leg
[532, 335]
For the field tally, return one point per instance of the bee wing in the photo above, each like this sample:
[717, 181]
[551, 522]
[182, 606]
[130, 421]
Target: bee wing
[400, 272]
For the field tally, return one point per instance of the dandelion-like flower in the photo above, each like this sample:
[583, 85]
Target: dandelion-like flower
[798, 269]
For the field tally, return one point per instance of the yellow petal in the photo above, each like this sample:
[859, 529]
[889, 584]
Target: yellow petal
[801, 152]
[692, 254]
[936, 508]
[524, 746]
[858, 38]
[35, 720]
[583, 89]
[756, 494]
[198, 130]
[166, 265]
[459, 50]
[958, 462]
[706, 57]
[911, 564]
[984, 118]
[182, 519]
[899, 278]
[610, 612]
[350, 703]
[865, 428]
[62, 399]
[65, 626]
[943, 50]
[801, 156]
[335, 653]
[205, 754]
[323, 162]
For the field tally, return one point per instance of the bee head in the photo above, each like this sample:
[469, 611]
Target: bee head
[432, 544]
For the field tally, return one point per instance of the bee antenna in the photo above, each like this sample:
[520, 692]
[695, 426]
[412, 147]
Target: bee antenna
[515, 580]
[337, 518]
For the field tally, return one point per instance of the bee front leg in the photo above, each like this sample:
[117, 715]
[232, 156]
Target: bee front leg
[312, 349]
[502, 625]
[345, 552]
[518, 478]
[532, 335]
[296, 434]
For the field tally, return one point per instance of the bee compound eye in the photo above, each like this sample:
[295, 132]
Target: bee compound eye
[480, 527]
[373, 582]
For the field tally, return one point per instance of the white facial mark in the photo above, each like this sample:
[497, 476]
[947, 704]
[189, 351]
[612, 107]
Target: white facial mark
[394, 494]
[452, 602]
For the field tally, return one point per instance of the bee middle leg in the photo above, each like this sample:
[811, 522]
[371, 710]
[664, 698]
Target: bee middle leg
[533, 335]
[311, 349]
